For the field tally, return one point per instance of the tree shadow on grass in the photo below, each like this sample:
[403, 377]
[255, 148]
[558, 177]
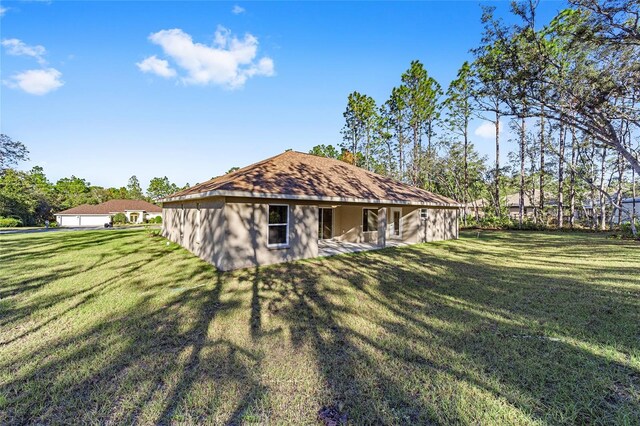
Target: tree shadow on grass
[134, 364]
[569, 362]
[398, 336]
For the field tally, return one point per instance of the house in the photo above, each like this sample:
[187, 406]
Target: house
[296, 206]
[630, 206]
[136, 211]
[510, 201]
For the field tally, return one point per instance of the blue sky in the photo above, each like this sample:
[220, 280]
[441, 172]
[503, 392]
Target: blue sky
[105, 90]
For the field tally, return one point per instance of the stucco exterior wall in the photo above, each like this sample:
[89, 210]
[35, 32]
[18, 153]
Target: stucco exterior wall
[441, 224]
[411, 227]
[247, 230]
[232, 233]
[197, 226]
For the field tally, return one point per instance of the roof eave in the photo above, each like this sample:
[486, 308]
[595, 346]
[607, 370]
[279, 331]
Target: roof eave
[249, 194]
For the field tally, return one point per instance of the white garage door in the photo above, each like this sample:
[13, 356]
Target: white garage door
[93, 220]
[84, 220]
[69, 221]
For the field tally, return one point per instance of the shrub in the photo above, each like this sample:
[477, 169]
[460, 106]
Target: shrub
[625, 230]
[490, 220]
[153, 232]
[471, 222]
[9, 222]
[119, 218]
[157, 219]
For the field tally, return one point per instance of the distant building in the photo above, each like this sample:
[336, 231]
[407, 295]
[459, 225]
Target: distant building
[583, 209]
[632, 206]
[91, 215]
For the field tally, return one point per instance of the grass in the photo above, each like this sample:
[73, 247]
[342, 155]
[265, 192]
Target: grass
[495, 328]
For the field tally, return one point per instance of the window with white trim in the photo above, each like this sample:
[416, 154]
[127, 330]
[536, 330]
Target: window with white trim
[424, 214]
[369, 220]
[278, 235]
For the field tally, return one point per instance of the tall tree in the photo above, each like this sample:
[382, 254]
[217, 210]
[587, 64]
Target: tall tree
[160, 187]
[602, 83]
[572, 179]
[562, 142]
[73, 191]
[459, 111]
[421, 98]
[397, 113]
[328, 151]
[490, 91]
[384, 135]
[359, 128]
[11, 152]
[16, 199]
[134, 189]
[43, 193]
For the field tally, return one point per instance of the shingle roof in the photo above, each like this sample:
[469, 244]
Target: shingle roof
[295, 175]
[113, 206]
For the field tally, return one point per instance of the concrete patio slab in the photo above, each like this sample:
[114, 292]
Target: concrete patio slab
[334, 247]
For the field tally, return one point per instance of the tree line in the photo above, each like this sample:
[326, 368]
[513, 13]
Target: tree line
[567, 89]
[31, 198]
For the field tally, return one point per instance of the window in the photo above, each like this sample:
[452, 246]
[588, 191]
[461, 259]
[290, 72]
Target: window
[369, 220]
[423, 214]
[278, 225]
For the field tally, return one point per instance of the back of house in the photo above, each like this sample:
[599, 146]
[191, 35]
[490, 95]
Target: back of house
[285, 207]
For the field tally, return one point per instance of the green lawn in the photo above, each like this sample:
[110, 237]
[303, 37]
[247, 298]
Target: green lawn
[500, 328]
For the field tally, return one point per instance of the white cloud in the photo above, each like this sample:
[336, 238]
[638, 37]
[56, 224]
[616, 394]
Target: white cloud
[229, 62]
[17, 47]
[156, 66]
[36, 82]
[237, 10]
[3, 10]
[487, 130]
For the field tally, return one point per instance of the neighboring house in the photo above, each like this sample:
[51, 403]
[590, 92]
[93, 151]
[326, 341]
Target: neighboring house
[137, 211]
[475, 208]
[292, 205]
[632, 207]
[511, 202]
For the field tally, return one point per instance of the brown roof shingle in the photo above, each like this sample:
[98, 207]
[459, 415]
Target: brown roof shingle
[297, 175]
[113, 206]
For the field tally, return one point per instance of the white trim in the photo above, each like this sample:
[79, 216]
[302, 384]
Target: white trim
[391, 210]
[279, 245]
[249, 194]
[377, 218]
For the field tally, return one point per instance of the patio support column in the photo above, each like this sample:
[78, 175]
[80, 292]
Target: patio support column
[382, 227]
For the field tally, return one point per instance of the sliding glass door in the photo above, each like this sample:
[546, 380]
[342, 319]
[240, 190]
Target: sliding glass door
[325, 223]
